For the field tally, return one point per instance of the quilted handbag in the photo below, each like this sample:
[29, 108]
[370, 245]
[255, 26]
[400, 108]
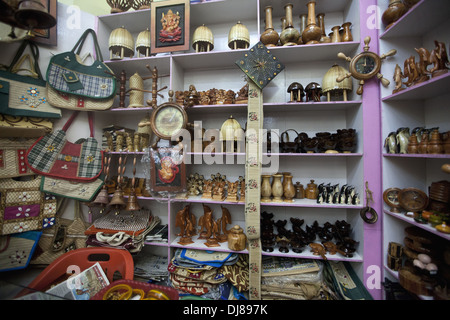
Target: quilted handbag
[12, 157]
[16, 250]
[76, 86]
[23, 207]
[25, 96]
[53, 156]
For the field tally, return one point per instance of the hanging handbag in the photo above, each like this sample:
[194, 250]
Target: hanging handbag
[25, 127]
[12, 157]
[16, 250]
[76, 86]
[23, 207]
[81, 191]
[25, 96]
[53, 156]
[64, 236]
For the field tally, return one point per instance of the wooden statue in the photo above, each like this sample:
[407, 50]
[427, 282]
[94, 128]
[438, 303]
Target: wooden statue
[184, 221]
[232, 191]
[410, 71]
[242, 189]
[218, 191]
[207, 189]
[205, 223]
[398, 79]
[422, 65]
[439, 59]
[213, 240]
[318, 250]
[223, 221]
[242, 95]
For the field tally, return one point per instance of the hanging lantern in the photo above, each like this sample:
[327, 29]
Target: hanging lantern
[239, 37]
[231, 131]
[143, 44]
[202, 39]
[121, 44]
[331, 86]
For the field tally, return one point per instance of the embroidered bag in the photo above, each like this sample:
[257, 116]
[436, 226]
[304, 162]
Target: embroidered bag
[26, 127]
[76, 86]
[53, 156]
[17, 249]
[12, 157]
[23, 207]
[25, 96]
[82, 191]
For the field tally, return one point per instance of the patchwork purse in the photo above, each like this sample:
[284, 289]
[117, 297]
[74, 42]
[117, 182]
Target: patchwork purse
[76, 86]
[12, 157]
[53, 156]
[23, 207]
[16, 250]
[25, 96]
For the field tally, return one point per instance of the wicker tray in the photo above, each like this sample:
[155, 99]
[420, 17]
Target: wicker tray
[170, 292]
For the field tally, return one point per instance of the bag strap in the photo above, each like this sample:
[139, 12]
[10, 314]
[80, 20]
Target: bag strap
[72, 118]
[79, 45]
[19, 58]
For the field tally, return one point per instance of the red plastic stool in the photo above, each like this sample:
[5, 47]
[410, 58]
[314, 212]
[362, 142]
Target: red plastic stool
[111, 260]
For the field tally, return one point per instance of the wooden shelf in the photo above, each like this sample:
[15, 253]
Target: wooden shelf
[426, 90]
[411, 221]
[424, 156]
[419, 20]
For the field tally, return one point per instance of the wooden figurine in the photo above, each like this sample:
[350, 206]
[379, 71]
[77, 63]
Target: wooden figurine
[318, 250]
[403, 139]
[242, 95]
[207, 189]
[439, 59]
[184, 221]
[223, 221]
[242, 189]
[232, 191]
[398, 79]
[213, 241]
[422, 65]
[205, 223]
[296, 92]
[410, 71]
[218, 191]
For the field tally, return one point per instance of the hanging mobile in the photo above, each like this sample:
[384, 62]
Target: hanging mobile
[369, 214]
[365, 66]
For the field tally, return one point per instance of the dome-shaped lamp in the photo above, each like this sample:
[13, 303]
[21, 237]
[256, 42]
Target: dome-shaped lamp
[118, 6]
[33, 14]
[143, 43]
[239, 37]
[141, 4]
[231, 130]
[202, 39]
[296, 92]
[331, 86]
[121, 44]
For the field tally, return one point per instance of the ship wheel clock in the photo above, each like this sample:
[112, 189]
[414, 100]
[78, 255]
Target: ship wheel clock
[365, 66]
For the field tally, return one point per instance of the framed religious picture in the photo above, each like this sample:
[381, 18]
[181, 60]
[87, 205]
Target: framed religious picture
[48, 36]
[167, 170]
[169, 30]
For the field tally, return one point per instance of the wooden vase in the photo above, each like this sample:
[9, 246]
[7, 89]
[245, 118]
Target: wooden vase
[423, 144]
[321, 19]
[312, 32]
[446, 142]
[303, 19]
[347, 33]
[237, 239]
[413, 144]
[336, 36]
[299, 191]
[269, 37]
[277, 188]
[266, 188]
[435, 144]
[395, 11]
[311, 191]
[289, 36]
[288, 189]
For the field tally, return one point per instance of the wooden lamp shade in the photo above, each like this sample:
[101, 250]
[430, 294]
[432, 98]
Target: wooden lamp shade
[203, 39]
[121, 44]
[238, 37]
[330, 85]
[143, 43]
[118, 6]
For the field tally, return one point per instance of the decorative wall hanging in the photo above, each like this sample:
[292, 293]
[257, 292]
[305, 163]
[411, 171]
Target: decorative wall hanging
[365, 66]
[261, 67]
[170, 21]
[168, 171]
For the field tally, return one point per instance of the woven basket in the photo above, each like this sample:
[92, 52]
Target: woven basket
[202, 39]
[141, 4]
[238, 37]
[121, 44]
[118, 6]
[143, 43]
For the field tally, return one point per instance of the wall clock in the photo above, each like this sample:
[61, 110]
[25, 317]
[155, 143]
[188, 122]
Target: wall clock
[413, 199]
[390, 197]
[365, 66]
[260, 65]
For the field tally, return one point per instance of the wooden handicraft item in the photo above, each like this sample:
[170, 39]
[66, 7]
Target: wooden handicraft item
[170, 21]
[365, 66]
[390, 197]
[261, 66]
[168, 170]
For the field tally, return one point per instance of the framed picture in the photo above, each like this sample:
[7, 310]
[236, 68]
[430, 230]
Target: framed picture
[168, 170]
[169, 26]
[48, 36]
